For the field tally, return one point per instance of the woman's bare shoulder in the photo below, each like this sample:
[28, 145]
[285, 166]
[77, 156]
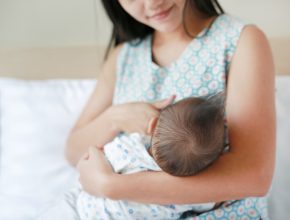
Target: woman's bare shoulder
[252, 64]
[252, 34]
[251, 76]
[110, 63]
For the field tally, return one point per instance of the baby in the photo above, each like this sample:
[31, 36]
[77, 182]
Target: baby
[187, 137]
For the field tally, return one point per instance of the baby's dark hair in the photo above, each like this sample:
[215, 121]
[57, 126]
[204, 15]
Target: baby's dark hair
[189, 135]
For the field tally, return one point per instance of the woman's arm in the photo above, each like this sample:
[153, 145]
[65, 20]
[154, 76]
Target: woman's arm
[247, 169]
[94, 126]
[101, 121]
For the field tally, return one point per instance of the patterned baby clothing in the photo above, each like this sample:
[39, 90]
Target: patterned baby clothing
[127, 153]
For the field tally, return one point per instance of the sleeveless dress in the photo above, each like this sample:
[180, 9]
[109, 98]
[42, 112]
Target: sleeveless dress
[200, 70]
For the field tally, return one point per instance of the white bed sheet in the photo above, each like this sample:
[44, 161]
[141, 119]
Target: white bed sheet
[279, 201]
[35, 118]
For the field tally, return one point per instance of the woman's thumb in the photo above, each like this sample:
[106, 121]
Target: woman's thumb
[92, 151]
[165, 102]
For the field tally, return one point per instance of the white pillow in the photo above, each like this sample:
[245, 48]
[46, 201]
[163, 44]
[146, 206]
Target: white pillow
[35, 118]
[280, 193]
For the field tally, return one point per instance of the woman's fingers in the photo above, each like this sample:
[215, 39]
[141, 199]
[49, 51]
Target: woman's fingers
[96, 153]
[165, 102]
[152, 125]
[83, 159]
[93, 152]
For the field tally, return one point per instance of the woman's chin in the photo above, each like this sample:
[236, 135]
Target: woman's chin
[166, 28]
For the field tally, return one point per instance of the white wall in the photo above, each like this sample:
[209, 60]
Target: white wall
[48, 23]
[271, 15]
[62, 23]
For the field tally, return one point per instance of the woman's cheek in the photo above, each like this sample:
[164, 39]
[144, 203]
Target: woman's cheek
[138, 14]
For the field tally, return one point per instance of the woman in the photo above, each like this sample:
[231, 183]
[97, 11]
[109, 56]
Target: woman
[188, 48]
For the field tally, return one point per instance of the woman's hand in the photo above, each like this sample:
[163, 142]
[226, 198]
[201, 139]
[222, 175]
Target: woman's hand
[94, 172]
[135, 116]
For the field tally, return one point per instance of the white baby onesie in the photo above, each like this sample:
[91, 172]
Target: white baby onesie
[127, 153]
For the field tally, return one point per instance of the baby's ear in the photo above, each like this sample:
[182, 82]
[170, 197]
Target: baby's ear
[152, 125]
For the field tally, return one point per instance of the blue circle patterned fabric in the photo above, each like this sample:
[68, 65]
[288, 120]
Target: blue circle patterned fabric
[200, 70]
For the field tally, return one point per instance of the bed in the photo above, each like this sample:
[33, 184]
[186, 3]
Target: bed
[36, 114]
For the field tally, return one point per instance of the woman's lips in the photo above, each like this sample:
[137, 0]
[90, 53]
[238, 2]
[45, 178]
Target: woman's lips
[161, 15]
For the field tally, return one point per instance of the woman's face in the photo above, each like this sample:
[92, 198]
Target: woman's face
[161, 15]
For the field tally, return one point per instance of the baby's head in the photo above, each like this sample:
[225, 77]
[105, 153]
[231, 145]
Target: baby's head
[189, 135]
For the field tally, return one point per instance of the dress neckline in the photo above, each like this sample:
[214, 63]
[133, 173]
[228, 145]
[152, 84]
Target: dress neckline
[199, 36]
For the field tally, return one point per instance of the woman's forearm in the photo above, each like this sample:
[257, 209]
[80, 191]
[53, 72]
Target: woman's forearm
[98, 132]
[219, 182]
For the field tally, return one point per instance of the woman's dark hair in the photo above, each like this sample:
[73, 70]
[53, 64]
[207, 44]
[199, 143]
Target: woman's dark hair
[126, 28]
